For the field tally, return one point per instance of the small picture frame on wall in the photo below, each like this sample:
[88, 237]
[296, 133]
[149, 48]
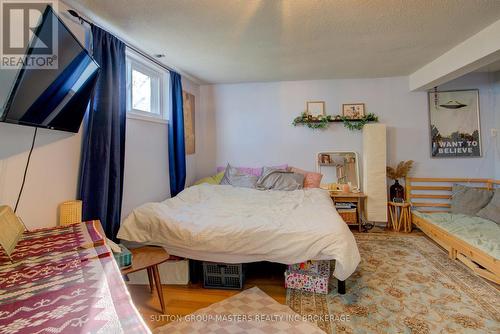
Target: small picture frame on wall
[315, 108]
[325, 159]
[353, 110]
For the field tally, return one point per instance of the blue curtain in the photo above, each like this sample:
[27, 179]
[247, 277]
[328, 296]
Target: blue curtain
[176, 146]
[103, 148]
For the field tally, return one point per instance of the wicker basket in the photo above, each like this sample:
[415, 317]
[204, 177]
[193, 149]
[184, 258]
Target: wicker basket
[70, 212]
[12, 229]
[350, 216]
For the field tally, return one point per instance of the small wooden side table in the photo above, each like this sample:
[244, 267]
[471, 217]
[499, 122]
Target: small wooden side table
[399, 216]
[149, 257]
[357, 198]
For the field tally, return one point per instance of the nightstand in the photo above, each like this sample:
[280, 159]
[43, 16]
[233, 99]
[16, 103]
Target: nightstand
[358, 199]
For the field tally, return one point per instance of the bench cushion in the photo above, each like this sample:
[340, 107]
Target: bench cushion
[469, 200]
[481, 233]
[492, 210]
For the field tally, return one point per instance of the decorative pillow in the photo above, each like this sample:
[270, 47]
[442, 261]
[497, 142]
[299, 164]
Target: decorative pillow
[311, 179]
[251, 170]
[492, 210]
[211, 179]
[236, 178]
[468, 200]
[277, 179]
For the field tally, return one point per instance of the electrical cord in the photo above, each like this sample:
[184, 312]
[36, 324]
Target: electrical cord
[26, 170]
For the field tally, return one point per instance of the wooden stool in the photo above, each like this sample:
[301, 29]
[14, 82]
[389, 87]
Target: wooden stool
[399, 216]
[149, 258]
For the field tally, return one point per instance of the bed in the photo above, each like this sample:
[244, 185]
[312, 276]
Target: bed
[471, 240]
[222, 223]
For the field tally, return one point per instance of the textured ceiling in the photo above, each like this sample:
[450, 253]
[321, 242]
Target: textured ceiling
[251, 40]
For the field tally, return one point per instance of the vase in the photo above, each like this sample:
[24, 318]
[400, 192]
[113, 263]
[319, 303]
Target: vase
[396, 192]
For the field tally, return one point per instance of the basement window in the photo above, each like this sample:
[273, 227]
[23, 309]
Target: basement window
[147, 88]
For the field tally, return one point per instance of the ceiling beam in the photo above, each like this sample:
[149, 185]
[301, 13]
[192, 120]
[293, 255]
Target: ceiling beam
[475, 52]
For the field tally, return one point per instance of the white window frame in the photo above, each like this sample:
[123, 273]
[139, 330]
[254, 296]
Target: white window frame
[159, 86]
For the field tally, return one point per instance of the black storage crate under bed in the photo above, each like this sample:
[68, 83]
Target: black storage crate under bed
[223, 275]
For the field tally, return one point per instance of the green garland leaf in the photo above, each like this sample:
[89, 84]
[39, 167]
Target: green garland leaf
[322, 122]
[358, 124]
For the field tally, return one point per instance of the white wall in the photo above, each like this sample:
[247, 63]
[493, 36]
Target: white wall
[146, 164]
[146, 160]
[53, 173]
[54, 168]
[253, 123]
[147, 178]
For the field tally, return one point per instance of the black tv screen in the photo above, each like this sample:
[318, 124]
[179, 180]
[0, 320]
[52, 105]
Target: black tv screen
[58, 97]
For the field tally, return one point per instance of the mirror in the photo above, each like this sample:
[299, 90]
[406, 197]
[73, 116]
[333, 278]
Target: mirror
[340, 171]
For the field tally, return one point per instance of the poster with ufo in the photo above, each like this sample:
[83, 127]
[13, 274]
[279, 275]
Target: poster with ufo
[455, 128]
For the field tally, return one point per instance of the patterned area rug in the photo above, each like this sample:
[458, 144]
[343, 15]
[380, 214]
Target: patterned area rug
[250, 311]
[405, 284]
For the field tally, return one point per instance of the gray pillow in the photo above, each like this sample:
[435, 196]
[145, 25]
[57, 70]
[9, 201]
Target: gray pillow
[238, 179]
[277, 179]
[468, 200]
[492, 210]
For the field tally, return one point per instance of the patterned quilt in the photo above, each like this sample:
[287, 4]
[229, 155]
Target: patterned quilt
[65, 280]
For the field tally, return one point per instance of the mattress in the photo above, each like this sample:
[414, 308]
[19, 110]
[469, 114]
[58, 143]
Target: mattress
[481, 233]
[222, 223]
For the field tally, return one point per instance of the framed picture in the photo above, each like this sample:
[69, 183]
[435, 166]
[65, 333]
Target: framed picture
[315, 108]
[353, 110]
[189, 134]
[454, 124]
[325, 159]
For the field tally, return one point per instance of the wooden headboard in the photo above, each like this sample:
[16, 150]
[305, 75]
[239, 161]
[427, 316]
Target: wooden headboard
[434, 194]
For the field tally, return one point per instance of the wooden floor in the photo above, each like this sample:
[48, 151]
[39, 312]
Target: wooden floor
[185, 299]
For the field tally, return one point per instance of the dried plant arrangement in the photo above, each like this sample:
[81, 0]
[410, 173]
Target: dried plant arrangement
[401, 170]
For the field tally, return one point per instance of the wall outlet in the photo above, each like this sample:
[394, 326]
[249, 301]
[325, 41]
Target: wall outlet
[494, 132]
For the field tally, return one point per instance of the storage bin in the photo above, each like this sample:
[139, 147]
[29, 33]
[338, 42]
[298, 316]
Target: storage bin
[223, 275]
[315, 280]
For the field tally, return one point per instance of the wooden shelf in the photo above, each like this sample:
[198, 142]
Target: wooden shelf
[335, 194]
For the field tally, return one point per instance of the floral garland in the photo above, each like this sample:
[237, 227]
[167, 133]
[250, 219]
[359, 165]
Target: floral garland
[323, 121]
[359, 123]
[319, 122]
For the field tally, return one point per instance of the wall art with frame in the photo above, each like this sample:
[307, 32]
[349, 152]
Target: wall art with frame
[454, 124]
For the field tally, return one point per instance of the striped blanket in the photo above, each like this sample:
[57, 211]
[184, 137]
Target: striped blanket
[65, 280]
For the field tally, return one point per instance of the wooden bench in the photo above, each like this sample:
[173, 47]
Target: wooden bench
[431, 195]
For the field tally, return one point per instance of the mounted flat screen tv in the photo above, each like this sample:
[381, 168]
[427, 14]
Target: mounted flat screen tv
[53, 98]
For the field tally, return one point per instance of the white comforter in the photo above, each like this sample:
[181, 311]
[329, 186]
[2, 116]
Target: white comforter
[235, 225]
